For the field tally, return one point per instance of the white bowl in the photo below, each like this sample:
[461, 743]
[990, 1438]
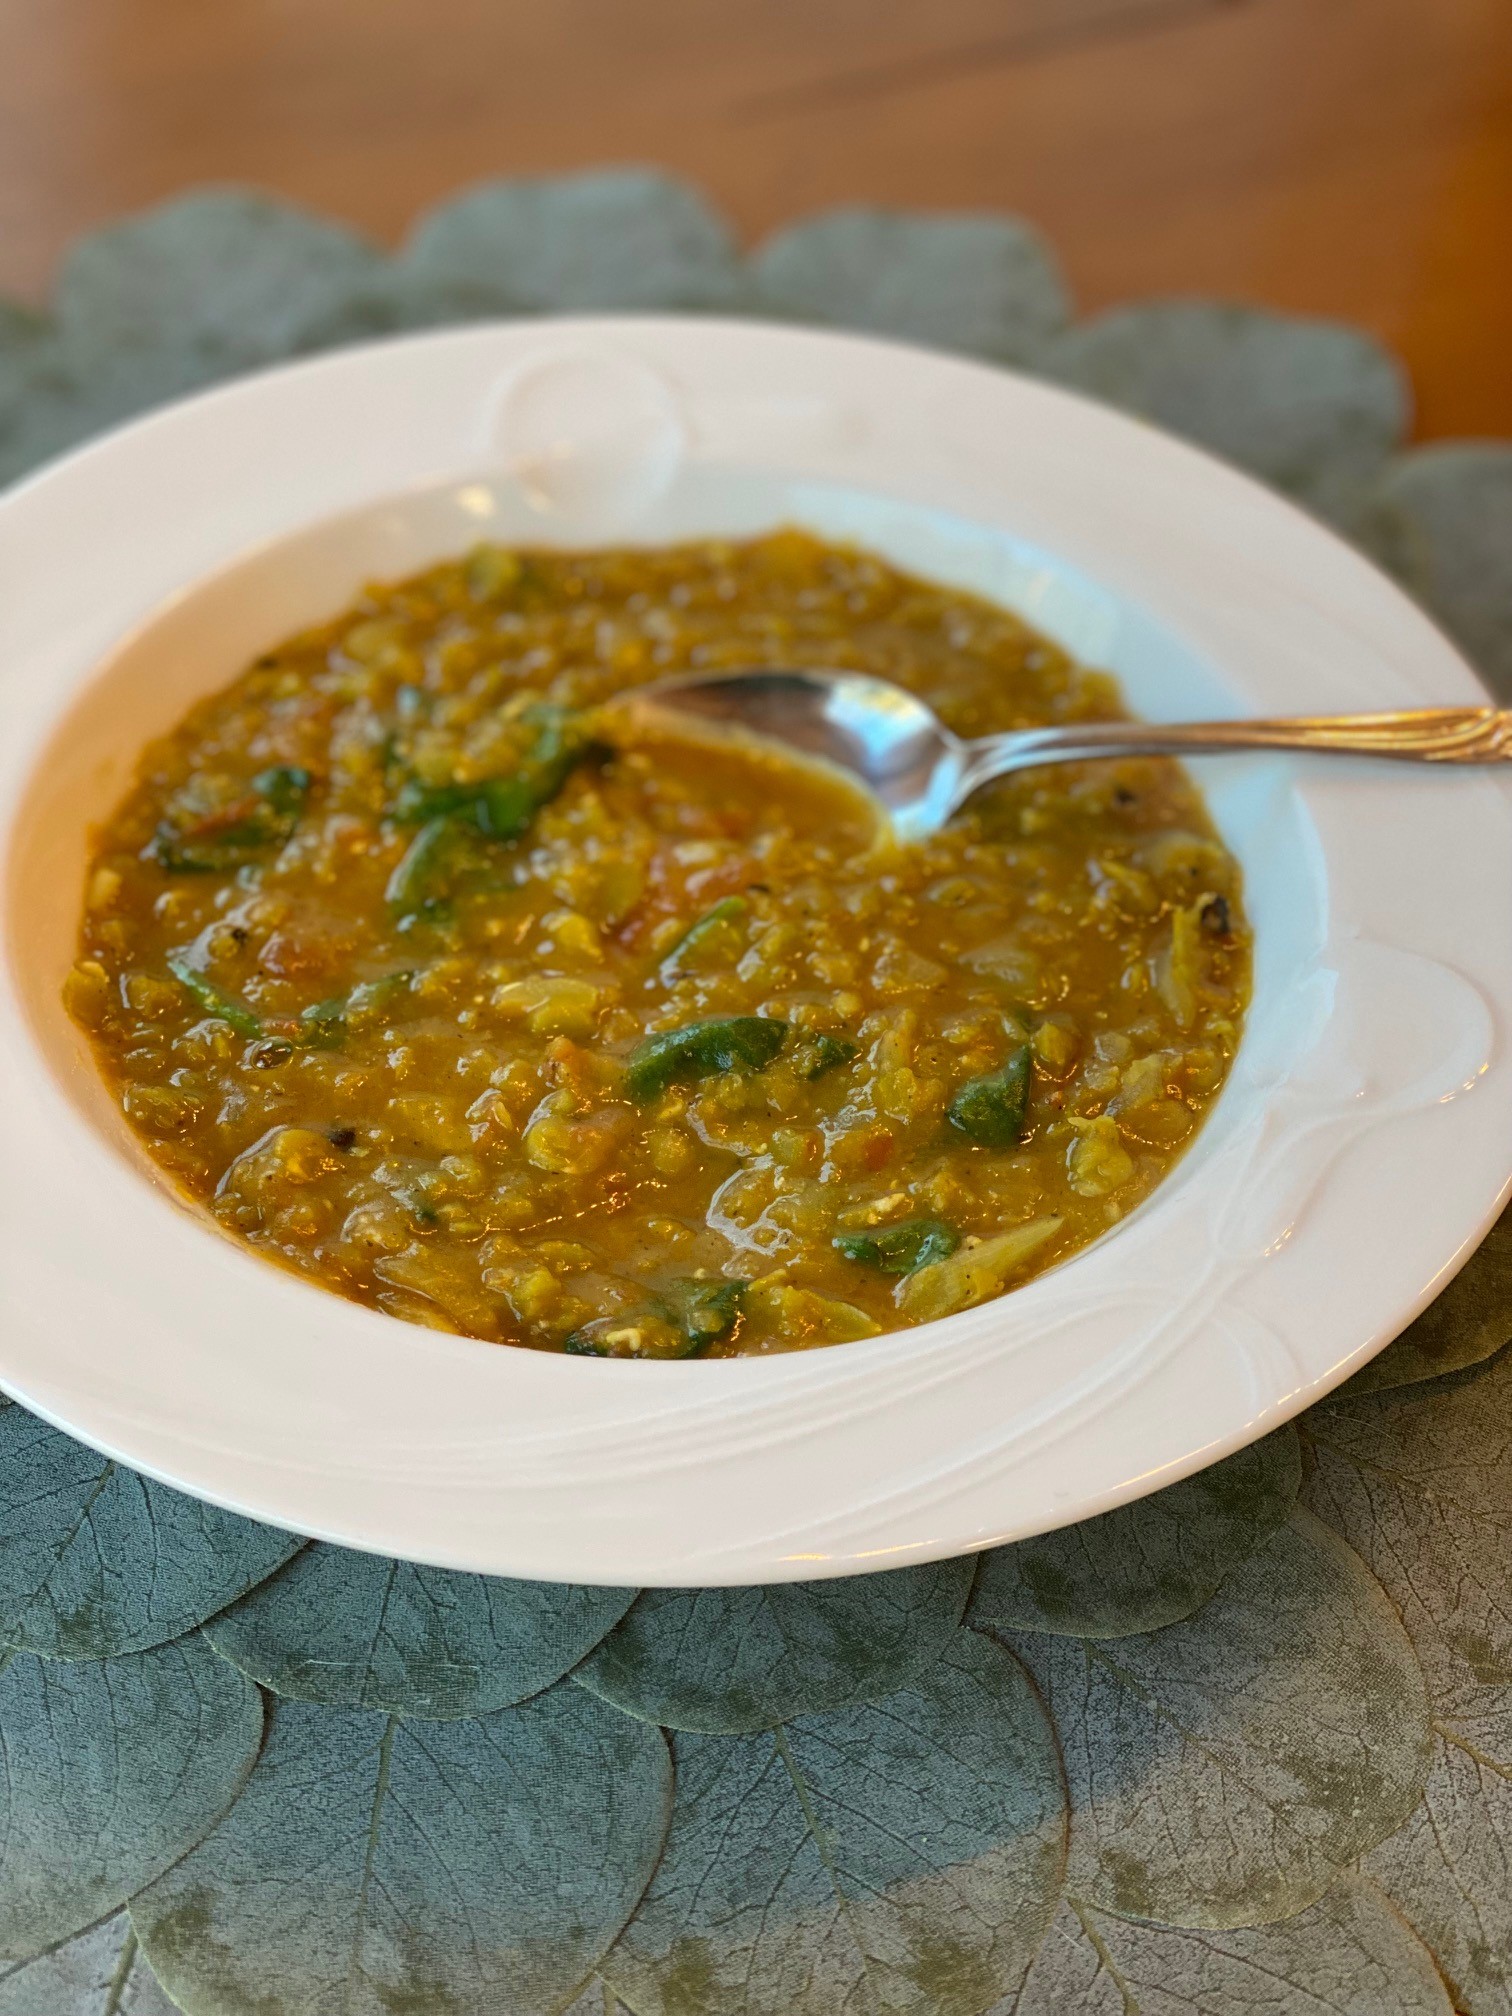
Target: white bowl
[1357, 1154]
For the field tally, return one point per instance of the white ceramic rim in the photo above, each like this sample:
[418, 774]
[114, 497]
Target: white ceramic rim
[1357, 1157]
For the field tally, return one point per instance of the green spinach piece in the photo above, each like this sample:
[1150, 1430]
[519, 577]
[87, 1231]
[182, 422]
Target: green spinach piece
[422, 867]
[706, 931]
[708, 1310]
[702, 1050]
[993, 1109]
[649, 1332]
[283, 788]
[497, 807]
[494, 808]
[692, 1316]
[217, 842]
[901, 1249]
[823, 1054]
[501, 808]
[214, 1000]
[325, 1024]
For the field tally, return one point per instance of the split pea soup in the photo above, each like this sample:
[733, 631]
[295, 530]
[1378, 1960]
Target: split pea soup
[406, 963]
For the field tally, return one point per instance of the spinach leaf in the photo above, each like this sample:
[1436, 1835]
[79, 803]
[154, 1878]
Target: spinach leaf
[993, 1109]
[283, 788]
[822, 1054]
[900, 1249]
[214, 1000]
[702, 1050]
[648, 1332]
[494, 808]
[716, 931]
[423, 868]
[216, 843]
[501, 808]
[498, 807]
[708, 1310]
[327, 1023]
[691, 1316]
[974, 1273]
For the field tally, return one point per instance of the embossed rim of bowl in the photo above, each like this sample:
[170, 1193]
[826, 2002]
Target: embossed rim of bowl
[1356, 1157]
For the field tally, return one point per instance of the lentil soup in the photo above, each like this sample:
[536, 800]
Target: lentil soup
[427, 982]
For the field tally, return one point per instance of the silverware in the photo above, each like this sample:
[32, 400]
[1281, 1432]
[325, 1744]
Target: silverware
[897, 746]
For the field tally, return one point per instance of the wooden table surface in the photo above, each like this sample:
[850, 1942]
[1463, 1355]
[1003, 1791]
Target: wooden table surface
[1345, 157]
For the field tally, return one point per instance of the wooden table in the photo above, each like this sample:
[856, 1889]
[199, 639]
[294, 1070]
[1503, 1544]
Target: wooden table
[1346, 157]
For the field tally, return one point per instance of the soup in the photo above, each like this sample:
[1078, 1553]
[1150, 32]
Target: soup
[427, 978]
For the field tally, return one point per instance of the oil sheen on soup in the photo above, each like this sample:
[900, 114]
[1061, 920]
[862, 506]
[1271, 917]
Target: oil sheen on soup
[427, 980]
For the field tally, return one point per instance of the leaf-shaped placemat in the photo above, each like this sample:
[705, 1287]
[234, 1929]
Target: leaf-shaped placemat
[985, 284]
[1149, 1563]
[96, 1560]
[174, 298]
[55, 405]
[1223, 1771]
[1419, 1480]
[19, 326]
[1223, 1766]
[100, 1973]
[374, 1865]
[597, 1999]
[112, 1769]
[1470, 1320]
[611, 238]
[900, 1857]
[736, 1659]
[228, 276]
[1350, 1954]
[22, 337]
[1313, 407]
[1450, 1870]
[359, 1631]
[1442, 521]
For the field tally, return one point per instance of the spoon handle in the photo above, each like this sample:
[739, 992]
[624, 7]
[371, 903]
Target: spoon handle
[1420, 735]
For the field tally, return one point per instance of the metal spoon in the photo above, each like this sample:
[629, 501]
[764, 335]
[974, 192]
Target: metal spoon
[900, 749]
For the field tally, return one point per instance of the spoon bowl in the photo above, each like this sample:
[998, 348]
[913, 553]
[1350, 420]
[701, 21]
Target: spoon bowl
[882, 736]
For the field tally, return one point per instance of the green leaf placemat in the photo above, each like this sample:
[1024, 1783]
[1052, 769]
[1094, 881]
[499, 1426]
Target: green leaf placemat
[95, 1560]
[1245, 1745]
[356, 1631]
[375, 1864]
